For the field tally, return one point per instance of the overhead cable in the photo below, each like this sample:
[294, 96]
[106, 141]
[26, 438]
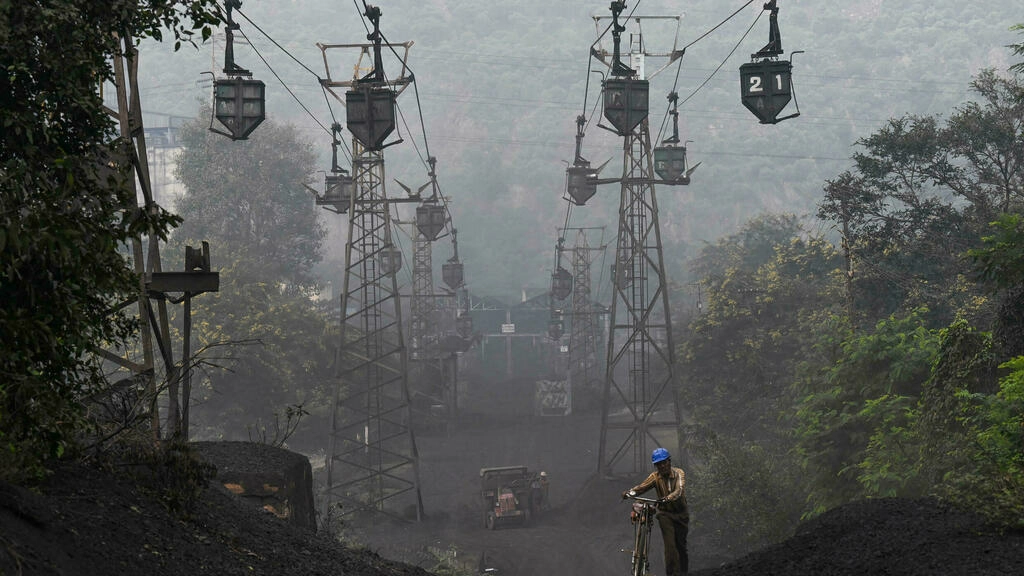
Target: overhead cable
[330, 109]
[731, 52]
[283, 83]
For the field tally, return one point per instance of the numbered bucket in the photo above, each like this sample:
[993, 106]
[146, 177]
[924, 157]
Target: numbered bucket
[766, 88]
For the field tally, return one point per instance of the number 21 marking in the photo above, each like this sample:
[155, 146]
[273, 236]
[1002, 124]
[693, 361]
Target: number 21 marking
[755, 83]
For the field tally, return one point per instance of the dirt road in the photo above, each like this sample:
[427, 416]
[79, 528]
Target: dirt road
[582, 533]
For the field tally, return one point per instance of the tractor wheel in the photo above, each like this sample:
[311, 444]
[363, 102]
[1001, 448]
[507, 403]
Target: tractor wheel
[491, 521]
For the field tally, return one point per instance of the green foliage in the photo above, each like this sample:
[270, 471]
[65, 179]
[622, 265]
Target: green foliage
[844, 403]
[771, 293]
[276, 356]
[984, 139]
[888, 388]
[919, 196]
[63, 218]
[248, 200]
[957, 438]
[1003, 437]
[919, 440]
[1018, 49]
[745, 495]
[889, 466]
[994, 483]
[1000, 260]
[766, 288]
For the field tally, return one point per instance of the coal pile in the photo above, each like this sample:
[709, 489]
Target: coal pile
[888, 536]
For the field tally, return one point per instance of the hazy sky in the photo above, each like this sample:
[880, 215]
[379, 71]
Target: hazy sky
[500, 85]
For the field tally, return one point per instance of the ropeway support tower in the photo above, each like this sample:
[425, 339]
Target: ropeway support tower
[373, 463]
[157, 368]
[431, 351]
[584, 372]
[639, 407]
[422, 295]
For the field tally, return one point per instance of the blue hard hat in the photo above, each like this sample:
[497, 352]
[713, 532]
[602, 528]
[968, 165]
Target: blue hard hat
[659, 454]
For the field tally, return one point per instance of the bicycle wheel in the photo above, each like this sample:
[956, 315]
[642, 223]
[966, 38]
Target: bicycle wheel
[640, 551]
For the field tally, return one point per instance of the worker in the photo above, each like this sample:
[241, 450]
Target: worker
[545, 503]
[673, 516]
[539, 492]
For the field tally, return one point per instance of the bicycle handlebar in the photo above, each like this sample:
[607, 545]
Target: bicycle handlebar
[642, 499]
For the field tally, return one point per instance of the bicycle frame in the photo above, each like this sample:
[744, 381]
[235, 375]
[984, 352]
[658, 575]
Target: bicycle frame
[642, 518]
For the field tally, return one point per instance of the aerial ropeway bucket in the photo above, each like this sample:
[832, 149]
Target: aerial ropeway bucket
[430, 220]
[370, 114]
[625, 103]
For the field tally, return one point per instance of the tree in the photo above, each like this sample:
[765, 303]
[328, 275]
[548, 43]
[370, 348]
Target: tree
[63, 219]
[248, 200]
[999, 263]
[766, 286]
[869, 383]
[1018, 49]
[919, 197]
[987, 139]
[995, 485]
[1000, 258]
[772, 289]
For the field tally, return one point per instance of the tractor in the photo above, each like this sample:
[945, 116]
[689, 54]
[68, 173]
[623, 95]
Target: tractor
[507, 494]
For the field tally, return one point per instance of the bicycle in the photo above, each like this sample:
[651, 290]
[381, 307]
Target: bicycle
[642, 518]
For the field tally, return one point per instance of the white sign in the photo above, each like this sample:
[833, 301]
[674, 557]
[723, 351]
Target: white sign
[553, 398]
[564, 349]
[508, 328]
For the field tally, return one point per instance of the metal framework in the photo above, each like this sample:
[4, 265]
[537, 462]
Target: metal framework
[133, 139]
[373, 462]
[373, 456]
[422, 333]
[429, 321]
[154, 283]
[640, 379]
[640, 367]
[583, 370]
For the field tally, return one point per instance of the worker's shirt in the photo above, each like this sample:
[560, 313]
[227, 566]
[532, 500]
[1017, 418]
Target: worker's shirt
[671, 489]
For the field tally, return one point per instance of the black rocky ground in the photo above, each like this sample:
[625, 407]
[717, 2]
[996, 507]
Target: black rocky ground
[85, 521]
[888, 537]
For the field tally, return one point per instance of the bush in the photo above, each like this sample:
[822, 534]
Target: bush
[744, 495]
[995, 485]
[171, 473]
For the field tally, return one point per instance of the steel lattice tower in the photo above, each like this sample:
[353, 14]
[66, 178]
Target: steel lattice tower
[422, 321]
[639, 392]
[583, 370]
[425, 332]
[373, 457]
[128, 153]
[145, 248]
[427, 344]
